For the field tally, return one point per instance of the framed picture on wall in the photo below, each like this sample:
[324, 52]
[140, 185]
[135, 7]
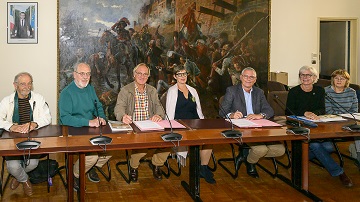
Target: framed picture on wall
[115, 36]
[22, 22]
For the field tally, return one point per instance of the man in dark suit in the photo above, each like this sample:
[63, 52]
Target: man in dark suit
[247, 101]
[22, 28]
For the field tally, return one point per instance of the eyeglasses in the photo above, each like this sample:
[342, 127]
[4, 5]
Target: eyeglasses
[305, 75]
[182, 74]
[25, 84]
[83, 74]
[142, 74]
[339, 78]
[248, 77]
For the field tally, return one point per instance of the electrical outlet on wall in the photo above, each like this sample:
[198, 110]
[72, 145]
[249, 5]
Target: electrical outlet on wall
[313, 58]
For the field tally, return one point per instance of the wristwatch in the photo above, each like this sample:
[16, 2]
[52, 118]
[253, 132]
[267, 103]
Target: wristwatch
[263, 115]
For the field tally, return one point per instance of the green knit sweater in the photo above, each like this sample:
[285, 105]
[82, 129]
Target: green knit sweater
[77, 106]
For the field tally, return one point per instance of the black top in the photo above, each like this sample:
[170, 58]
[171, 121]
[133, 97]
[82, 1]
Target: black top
[185, 108]
[299, 101]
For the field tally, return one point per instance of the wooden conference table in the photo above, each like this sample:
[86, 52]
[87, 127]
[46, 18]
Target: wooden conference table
[199, 132]
[58, 139]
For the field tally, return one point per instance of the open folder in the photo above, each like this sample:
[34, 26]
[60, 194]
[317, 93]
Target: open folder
[244, 123]
[148, 125]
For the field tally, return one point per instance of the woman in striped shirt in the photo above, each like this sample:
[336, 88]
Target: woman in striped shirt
[341, 99]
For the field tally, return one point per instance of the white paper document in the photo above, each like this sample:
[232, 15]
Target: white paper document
[148, 125]
[356, 115]
[324, 118]
[243, 123]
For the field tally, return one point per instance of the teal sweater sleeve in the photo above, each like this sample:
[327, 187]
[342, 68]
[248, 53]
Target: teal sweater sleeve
[77, 106]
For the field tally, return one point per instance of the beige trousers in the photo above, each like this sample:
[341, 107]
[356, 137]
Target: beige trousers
[91, 159]
[158, 159]
[258, 151]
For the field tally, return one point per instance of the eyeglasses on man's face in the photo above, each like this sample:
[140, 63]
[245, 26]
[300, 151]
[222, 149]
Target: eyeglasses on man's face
[181, 74]
[142, 74]
[305, 75]
[83, 74]
[25, 84]
[248, 77]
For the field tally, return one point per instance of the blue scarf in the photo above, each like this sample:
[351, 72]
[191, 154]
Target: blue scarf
[16, 118]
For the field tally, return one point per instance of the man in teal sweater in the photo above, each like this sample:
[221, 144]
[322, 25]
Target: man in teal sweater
[77, 108]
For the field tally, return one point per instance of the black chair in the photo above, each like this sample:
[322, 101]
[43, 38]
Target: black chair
[276, 86]
[323, 82]
[3, 185]
[108, 175]
[127, 177]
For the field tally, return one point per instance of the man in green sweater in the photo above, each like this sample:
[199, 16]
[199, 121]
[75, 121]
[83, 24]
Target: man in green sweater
[77, 108]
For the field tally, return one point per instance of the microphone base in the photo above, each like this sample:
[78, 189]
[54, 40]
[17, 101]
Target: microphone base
[231, 133]
[28, 144]
[168, 137]
[299, 130]
[100, 140]
[352, 127]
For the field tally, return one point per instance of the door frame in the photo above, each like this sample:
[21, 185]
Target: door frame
[353, 50]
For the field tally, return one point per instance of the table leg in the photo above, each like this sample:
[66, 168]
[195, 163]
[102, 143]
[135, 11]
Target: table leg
[300, 168]
[193, 188]
[305, 166]
[82, 176]
[70, 177]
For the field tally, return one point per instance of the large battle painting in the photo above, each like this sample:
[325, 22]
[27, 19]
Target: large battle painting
[213, 40]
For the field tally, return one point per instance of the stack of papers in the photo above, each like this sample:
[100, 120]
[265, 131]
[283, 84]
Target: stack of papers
[244, 123]
[119, 126]
[323, 118]
[148, 125]
[356, 115]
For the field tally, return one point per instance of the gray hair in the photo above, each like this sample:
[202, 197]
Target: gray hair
[141, 64]
[312, 70]
[80, 63]
[22, 74]
[248, 68]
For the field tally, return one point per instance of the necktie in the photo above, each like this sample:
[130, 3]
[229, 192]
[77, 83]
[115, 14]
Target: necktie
[22, 22]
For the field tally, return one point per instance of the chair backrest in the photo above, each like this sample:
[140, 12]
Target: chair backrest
[275, 86]
[354, 86]
[163, 100]
[278, 105]
[323, 82]
[357, 89]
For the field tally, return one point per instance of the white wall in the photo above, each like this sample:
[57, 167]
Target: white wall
[294, 31]
[38, 59]
[294, 35]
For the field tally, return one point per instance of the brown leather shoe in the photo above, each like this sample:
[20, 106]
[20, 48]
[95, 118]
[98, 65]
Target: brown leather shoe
[134, 174]
[157, 172]
[345, 180]
[27, 188]
[14, 183]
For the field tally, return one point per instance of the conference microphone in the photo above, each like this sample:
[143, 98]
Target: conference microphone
[29, 144]
[169, 137]
[229, 133]
[351, 127]
[100, 140]
[296, 129]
